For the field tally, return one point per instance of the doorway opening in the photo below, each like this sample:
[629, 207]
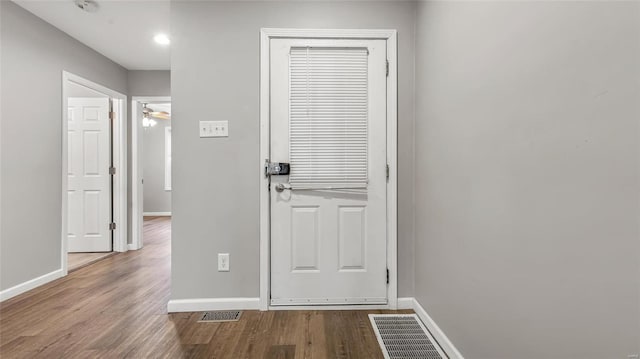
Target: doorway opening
[150, 165]
[94, 172]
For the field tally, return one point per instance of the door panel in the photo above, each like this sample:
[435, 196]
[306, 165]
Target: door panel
[328, 119]
[352, 237]
[89, 186]
[305, 238]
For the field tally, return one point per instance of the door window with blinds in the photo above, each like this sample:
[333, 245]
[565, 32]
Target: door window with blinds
[328, 117]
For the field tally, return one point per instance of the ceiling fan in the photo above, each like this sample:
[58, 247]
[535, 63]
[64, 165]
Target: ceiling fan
[149, 112]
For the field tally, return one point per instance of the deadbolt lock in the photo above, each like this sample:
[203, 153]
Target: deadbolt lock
[275, 168]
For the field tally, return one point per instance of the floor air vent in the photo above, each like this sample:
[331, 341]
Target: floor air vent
[221, 316]
[404, 336]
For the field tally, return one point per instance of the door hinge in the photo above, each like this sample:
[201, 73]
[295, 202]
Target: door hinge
[112, 170]
[387, 275]
[387, 171]
[112, 226]
[112, 115]
[387, 68]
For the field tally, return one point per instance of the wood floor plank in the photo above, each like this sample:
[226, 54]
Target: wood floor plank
[116, 308]
[281, 352]
[315, 338]
[201, 333]
[256, 336]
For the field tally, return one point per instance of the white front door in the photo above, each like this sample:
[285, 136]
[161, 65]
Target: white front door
[328, 216]
[89, 190]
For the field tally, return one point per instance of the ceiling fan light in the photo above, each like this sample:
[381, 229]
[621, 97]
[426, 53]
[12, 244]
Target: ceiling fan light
[148, 122]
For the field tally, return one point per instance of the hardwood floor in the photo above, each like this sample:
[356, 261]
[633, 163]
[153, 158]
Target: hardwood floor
[76, 261]
[116, 308]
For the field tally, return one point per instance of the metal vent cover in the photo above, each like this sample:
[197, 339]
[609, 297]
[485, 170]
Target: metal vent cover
[221, 316]
[403, 336]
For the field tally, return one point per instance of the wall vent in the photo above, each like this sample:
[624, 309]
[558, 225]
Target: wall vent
[404, 336]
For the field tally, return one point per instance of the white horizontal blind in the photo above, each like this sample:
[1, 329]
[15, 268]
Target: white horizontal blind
[328, 117]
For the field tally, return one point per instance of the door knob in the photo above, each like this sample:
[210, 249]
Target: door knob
[281, 187]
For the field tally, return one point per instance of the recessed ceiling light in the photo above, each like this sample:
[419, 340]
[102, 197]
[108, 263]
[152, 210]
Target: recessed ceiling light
[162, 39]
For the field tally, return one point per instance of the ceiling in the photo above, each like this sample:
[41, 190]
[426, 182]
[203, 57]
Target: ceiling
[123, 31]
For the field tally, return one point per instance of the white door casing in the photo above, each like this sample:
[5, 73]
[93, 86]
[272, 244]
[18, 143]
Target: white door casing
[89, 181]
[329, 236]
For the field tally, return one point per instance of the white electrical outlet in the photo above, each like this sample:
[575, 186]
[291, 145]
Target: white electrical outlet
[223, 262]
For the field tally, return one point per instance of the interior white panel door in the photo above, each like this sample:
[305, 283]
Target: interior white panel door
[89, 181]
[328, 217]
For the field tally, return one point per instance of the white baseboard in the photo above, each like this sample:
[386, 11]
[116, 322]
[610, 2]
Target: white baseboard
[156, 214]
[203, 304]
[30, 284]
[132, 247]
[331, 307]
[405, 303]
[435, 330]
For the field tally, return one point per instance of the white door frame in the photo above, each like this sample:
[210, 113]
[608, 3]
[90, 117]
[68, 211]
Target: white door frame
[392, 145]
[137, 163]
[119, 153]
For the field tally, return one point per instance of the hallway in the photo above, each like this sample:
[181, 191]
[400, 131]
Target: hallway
[112, 307]
[116, 308]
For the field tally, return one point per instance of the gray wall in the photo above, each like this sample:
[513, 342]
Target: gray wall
[156, 199]
[143, 83]
[527, 177]
[75, 90]
[216, 211]
[34, 54]
[149, 82]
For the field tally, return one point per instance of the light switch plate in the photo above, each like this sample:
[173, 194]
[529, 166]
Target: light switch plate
[220, 128]
[214, 128]
[205, 129]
